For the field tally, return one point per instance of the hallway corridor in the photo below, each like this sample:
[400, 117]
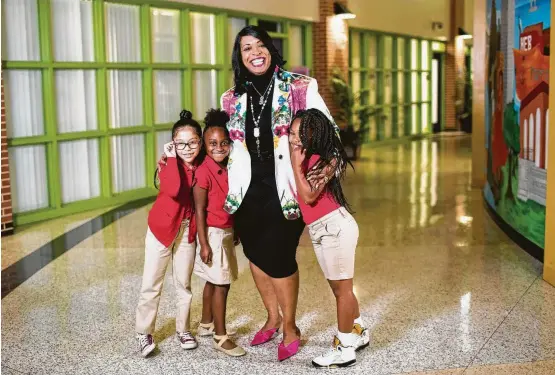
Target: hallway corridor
[444, 290]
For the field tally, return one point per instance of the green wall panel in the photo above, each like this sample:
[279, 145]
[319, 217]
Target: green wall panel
[104, 133]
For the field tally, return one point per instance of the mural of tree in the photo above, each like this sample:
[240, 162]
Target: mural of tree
[511, 133]
[493, 37]
[494, 44]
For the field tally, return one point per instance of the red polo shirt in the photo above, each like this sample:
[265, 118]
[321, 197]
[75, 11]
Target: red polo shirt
[210, 176]
[173, 203]
[323, 205]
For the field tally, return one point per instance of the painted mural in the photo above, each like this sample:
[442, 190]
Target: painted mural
[517, 112]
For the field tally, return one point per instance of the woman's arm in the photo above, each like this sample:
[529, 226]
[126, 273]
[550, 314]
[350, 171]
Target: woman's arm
[200, 196]
[319, 177]
[315, 100]
[305, 191]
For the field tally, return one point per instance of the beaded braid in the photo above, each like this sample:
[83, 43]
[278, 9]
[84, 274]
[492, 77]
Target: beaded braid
[319, 137]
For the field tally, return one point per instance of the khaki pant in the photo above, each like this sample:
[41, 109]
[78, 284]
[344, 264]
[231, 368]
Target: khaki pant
[157, 257]
[335, 237]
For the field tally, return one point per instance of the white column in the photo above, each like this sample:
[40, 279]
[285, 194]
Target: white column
[546, 136]
[525, 142]
[530, 155]
[539, 143]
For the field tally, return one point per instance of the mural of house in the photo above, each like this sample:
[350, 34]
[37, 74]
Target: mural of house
[534, 117]
[532, 89]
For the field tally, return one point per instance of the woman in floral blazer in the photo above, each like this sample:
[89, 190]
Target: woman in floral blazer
[262, 192]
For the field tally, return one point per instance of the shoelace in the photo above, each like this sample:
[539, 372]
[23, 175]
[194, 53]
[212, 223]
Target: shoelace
[144, 341]
[333, 351]
[185, 336]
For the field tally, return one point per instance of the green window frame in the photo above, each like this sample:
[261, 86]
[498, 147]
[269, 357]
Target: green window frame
[395, 109]
[101, 67]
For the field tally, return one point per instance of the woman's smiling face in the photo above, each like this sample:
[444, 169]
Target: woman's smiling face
[256, 57]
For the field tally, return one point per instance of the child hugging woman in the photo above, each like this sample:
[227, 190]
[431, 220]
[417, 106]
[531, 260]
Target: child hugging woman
[334, 232]
[215, 262]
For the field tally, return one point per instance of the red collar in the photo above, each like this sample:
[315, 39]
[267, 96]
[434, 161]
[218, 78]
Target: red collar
[214, 167]
[185, 166]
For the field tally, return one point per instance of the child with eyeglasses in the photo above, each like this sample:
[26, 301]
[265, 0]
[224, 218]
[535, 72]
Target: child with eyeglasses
[170, 236]
[215, 262]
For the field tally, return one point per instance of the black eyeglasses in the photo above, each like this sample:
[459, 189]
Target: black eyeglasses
[193, 145]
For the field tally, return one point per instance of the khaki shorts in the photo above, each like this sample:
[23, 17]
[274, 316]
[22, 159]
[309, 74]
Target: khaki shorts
[335, 238]
[223, 269]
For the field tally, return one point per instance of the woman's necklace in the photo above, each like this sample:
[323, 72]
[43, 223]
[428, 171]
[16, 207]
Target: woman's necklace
[261, 100]
[256, 131]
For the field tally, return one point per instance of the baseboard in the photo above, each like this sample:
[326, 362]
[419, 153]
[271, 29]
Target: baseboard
[549, 274]
[7, 229]
[392, 141]
[527, 245]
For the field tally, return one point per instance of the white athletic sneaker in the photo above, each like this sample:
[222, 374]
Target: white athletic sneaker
[338, 356]
[364, 336]
[186, 340]
[146, 344]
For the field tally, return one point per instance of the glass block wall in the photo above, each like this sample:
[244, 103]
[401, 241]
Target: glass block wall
[392, 75]
[93, 88]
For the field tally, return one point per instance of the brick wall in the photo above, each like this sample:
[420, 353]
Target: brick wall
[450, 87]
[330, 48]
[454, 66]
[7, 218]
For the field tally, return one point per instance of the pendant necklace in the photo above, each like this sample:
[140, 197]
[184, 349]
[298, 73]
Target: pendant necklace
[263, 101]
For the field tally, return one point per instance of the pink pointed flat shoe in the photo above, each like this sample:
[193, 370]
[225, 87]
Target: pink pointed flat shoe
[262, 337]
[288, 351]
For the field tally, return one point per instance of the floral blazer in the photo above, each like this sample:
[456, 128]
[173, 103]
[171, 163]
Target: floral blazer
[292, 93]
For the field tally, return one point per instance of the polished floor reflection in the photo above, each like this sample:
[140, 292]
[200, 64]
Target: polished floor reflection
[444, 290]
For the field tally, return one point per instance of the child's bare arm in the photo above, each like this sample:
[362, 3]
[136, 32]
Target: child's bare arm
[306, 193]
[200, 196]
[317, 177]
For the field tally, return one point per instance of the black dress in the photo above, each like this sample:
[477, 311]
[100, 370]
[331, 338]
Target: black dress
[269, 240]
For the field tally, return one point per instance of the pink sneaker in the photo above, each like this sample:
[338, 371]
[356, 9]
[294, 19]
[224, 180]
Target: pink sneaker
[288, 351]
[262, 337]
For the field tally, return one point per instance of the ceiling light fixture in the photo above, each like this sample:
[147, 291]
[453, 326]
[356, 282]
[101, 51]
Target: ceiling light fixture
[463, 34]
[342, 12]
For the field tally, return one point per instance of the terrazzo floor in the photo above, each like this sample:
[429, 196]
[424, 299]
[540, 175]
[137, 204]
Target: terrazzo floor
[443, 289]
